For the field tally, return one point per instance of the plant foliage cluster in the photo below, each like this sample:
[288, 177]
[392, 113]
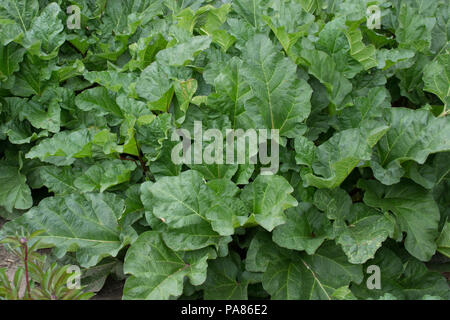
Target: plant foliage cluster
[87, 115]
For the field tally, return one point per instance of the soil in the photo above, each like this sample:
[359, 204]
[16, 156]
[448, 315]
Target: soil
[112, 290]
[7, 259]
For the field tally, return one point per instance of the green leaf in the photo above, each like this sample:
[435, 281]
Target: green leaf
[206, 19]
[157, 272]
[388, 58]
[100, 100]
[336, 158]
[82, 223]
[225, 280]
[15, 193]
[267, 197]
[310, 277]
[323, 67]
[289, 24]
[249, 10]
[155, 85]
[430, 174]
[190, 209]
[415, 210]
[151, 134]
[367, 109]
[414, 28]
[184, 91]
[413, 135]
[43, 113]
[144, 50]
[112, 80]
[45, 35]
[90, 152]
[305, 229]
[21, 11]
[231, 91]
[443, 242]
[363, 233]
[183, 53]
[281, 100]
[34, 77]
[358, 50]
[436, 77]
[305, 151]
[64, 147]
[336, 203]
[10, 57]
[406, 278]
[59, 180]
[104, 175]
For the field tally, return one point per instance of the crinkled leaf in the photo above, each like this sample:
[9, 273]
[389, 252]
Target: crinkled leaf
[415, 210]
[83, 223]
[157, 272]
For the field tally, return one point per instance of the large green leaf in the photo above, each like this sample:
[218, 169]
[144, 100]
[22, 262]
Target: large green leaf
[104, 175]
[336, 203]
[226, 280]
[64, 147]
[363, 233]
[404, 278]
[366, 110]
[305, 229]
[155, 85]
[414, 28]
[301, 276]
[436, 77]
[15, 193]
[413, 135]
[415, 210]
[289, 24]
[59, 180]
[112, 80]
[358, 50]
[195, 215]
[267, 198]
[157, 272]
[335, 159]
[10, 57]
[323, 67]
[430, 174]
[183, 53]
[151, 134]
[45, 35]
[231, 91]
[92, 118]
[20, 11]
[43, 113]
[98, 99]
[281, 100]
[83, 223]
[250, 11]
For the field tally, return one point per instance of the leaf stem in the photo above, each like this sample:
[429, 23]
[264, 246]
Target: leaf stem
[24, 243]
[143, 165]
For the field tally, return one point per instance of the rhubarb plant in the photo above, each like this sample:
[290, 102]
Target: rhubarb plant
[344, 194]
